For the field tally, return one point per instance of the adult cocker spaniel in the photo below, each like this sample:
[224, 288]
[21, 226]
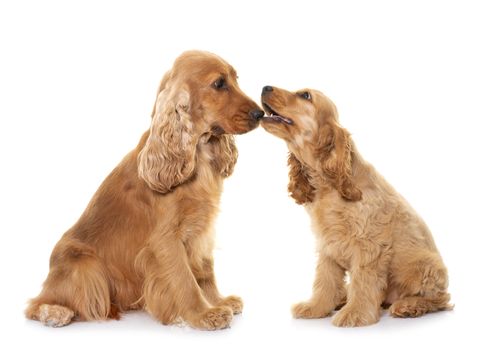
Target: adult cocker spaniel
[145, 241]
[362, 225]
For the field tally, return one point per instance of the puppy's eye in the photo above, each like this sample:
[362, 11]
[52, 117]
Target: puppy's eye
[306, 95]
[220, 84]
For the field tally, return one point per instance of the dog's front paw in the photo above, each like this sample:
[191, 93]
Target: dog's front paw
[353, 317]
[234, 303]
[308, 310]
[215, 318]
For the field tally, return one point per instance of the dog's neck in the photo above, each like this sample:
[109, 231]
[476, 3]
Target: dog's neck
[360, 168]
[306, 159]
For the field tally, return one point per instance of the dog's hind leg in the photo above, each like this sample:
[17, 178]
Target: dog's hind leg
[418, 306]
[422, 285]
[76, 286]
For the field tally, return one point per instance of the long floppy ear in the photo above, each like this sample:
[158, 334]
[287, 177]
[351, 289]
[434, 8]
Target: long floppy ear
[225, 154]
[168, 157]
[161, 87]
[335, 154]
[299, 187]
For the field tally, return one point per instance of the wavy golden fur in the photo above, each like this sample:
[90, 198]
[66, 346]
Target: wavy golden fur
[146, 238]
[362, 225]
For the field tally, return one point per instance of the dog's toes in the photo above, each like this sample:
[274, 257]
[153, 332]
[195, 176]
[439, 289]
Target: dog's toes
[215, 318]
[55, 315]
[234, 303]
[403, 308]
[349, 317]
[307, 310]
[301, 310]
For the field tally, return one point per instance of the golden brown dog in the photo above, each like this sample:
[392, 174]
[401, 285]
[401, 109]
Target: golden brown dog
[362, 225]
[146, 239]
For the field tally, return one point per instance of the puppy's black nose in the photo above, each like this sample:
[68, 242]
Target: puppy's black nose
[266, 89]
[256, 114]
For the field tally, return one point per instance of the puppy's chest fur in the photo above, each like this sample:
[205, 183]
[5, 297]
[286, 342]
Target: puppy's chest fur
[352, 233]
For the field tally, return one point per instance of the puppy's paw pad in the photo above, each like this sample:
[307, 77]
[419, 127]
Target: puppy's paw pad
[354, 318]
[404, 309]
[307, 310]
[216, 318]
[301, 310]
[55, 315]
[234, 303]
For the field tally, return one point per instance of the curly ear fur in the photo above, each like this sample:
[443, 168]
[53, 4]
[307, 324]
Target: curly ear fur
[335, 154]
[168, 157]
[161, 87]
[225, 154]
[299, 187]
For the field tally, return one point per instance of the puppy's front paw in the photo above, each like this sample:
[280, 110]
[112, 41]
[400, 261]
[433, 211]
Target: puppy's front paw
[352, 317]
[234, 303]
[215, 318]
[308, 310]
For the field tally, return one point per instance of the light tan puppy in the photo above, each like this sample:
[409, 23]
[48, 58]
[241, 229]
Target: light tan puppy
[362, 225]
[146, 237]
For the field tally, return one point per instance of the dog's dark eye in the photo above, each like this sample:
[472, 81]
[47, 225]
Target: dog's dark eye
[220, 84]
[306, 95]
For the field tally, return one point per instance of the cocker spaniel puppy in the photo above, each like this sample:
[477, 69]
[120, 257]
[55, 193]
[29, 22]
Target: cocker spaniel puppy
[362, 225]
[145, 241]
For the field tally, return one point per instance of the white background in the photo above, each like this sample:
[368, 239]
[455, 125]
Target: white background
[411, 81]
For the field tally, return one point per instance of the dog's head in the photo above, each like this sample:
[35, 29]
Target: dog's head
[308, 121]
[199, 97]
[205, 87]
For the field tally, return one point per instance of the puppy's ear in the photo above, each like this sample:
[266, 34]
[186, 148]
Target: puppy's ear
[168, 157]
[225, 154]
[299, 187]
[335, 154]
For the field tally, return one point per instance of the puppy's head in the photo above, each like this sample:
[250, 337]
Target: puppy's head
[308, 121]
[198, 98]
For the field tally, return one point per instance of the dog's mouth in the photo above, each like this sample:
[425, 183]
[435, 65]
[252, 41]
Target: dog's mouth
[272, 115]
[217, 130]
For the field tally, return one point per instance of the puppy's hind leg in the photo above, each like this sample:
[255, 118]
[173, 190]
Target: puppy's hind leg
[424, 287]
[418, 306]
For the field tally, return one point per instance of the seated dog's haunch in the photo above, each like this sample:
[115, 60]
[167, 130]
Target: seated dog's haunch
[145, 240]
[362, 225]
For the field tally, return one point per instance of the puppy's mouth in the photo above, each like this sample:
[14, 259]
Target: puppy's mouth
[272, 115]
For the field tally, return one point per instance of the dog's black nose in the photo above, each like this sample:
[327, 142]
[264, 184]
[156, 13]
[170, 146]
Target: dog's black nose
[266, 89]
[256, 114]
